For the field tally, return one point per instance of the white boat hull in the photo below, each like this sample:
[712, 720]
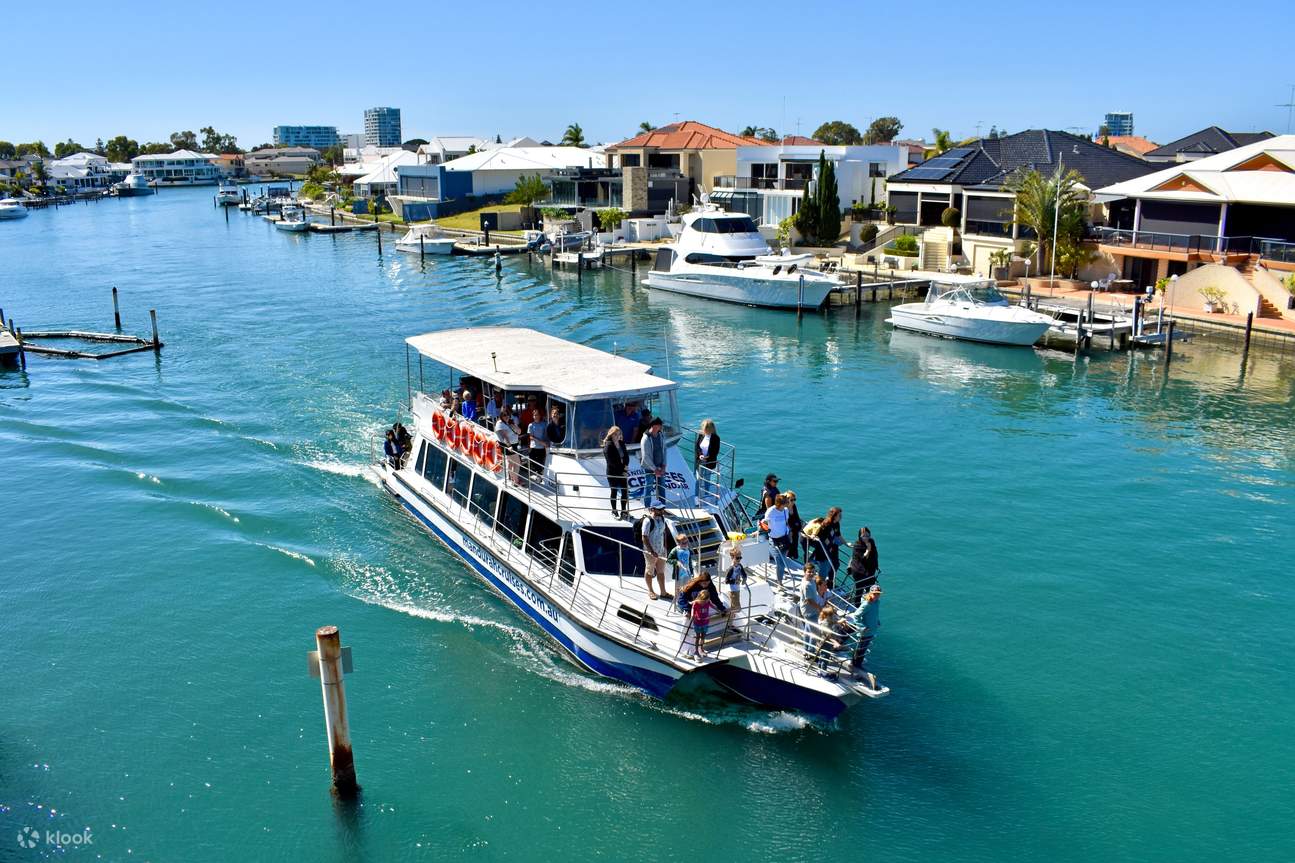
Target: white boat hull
[918, 318]
[438, 246]
[749, 291]
[295, 227]
[11, 213]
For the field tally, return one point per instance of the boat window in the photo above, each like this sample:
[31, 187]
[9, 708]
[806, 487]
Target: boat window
[460, 479]
[986, 293]
[541, 539]
[434, 467]
[512, 520]
[738, 225]
[484, 495]
[567, 570]
[707, 258]
[422, 451]
[592, 420]
[706, 226]
[610, 551]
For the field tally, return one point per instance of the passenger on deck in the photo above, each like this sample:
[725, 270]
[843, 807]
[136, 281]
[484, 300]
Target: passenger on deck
[391, 449]
[556, 430]
[508, 435]
[735, 579]
[699, 612]
[447, 400]
[863, 564]
[653, 458]
[770, 491]
[866, 619]
[538, 452]
[775, 521]
[469, 406]
[811, 604]
[704, 582]
[795, 526]
[706, 458]
[618, 460]
[403, 437]
[645, 422]
[823, 543]
[652, 538]
[680, 559]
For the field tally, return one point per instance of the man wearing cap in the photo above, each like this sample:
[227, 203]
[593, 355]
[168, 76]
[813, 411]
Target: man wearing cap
[652, 456]
[654, 552]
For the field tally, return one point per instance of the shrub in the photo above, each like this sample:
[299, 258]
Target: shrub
[312, 190]
[950, 218]
[610, 218]
[867, 233]
[905, 243]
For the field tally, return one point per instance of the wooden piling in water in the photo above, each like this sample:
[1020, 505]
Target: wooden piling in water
[858, 292]
[1250, 322]
[152, 314]
[341, 758]
[116, 312]
[422, 253]
[1169, 343]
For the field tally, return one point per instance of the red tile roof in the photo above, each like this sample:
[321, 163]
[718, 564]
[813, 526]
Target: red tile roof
[689, 135]
[1132, 143]
[801, 141]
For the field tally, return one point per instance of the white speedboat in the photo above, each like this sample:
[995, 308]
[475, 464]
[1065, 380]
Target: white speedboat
[229, 193]
[12, 208]
[970, 309]
[721, 256]
[427, 239]
[545, 536]
[292, 218]
[134, 186]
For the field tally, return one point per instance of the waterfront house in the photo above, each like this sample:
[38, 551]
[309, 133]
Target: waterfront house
[1199, 145]
[701, 153]
[81, 172]
[1132, 145]
[281, 161]
[440, 149]
[491, 173]
[770, 181]
[640, 191]
[1234, 210]
[231, 165]
[180, 168]
[974, 179]
[380, 179]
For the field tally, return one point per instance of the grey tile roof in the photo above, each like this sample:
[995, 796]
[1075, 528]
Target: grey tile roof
[990, 161]
[1208, 141]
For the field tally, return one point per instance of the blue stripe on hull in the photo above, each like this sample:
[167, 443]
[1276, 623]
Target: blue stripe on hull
[654, 684]
[774, 693]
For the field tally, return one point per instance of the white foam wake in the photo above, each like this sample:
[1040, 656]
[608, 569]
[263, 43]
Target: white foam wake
[295, 555]
[340, 468]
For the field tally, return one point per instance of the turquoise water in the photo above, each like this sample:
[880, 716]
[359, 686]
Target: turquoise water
[1086, 623]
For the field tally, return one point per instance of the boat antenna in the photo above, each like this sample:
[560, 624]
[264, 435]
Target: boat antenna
[667, 353]
[493, 363]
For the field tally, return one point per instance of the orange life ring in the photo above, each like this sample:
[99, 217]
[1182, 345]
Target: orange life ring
[490, 455]
[438, 425]
[451, 435]
[479, 446]
[466, 435]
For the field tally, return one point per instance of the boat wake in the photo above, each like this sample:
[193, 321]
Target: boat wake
[340, 468]
[295, 555]
[220, 510]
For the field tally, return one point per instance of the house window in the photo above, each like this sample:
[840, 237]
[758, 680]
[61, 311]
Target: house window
[877, 169]
[663, 160]
[630, 160]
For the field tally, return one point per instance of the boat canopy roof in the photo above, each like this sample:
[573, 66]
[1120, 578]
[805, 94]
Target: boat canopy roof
[526, 359]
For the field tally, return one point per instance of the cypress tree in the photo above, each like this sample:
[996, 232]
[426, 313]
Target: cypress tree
[829, 207]
[807, 216]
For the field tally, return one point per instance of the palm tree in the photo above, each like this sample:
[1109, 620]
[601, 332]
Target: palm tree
[1043, 203]
[574, 136]
[943, 143]
[645, 126]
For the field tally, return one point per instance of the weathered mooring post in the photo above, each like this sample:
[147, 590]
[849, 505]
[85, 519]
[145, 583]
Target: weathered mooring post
[1169, 343]
[152, 314]
[800, 297]
[422, 253]
[858, 292]
[116, 312]
[1250, 322]
[327, 662]
[22, 354]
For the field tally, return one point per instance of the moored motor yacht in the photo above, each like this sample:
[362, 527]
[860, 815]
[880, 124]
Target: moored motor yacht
[971, 309]
[228, 193]
[292, 217]
[12, 208]
[427, 239]
[135, 185]
[722, 256]
[546, 535]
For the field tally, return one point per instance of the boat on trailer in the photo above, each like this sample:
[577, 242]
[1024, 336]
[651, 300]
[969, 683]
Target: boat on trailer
[548, 541]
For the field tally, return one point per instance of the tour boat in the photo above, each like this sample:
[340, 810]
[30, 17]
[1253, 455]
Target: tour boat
[970, 309]
[134, 186]
[12, 208]
[721, 256]
[292, 218]
[427, 239]
[228, 193]
[547, 539]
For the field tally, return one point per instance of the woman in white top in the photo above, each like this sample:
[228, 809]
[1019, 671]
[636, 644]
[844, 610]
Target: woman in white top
[775, 521]
[506, 432]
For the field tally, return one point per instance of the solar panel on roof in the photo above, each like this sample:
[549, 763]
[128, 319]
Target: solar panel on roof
[942, 162]
[923, 173]
[960, 152]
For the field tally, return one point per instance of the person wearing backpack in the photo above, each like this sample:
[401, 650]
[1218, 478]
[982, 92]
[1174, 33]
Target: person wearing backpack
[650, 530]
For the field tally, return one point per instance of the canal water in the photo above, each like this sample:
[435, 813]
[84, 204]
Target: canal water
[1086, 622]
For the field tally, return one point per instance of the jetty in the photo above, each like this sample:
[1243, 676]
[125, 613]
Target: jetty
[13, 340]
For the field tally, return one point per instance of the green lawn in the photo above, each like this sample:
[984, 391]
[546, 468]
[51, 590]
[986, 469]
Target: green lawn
[470, 220]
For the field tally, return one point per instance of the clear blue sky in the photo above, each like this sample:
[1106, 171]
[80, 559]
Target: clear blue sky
[530, 68]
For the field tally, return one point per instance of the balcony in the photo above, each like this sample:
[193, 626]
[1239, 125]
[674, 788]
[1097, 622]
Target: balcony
[789, 184]
[1205, 247]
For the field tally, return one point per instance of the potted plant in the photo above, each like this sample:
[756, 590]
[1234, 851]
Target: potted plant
[1001, 261]
[1289, 284]
[1215, 298]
